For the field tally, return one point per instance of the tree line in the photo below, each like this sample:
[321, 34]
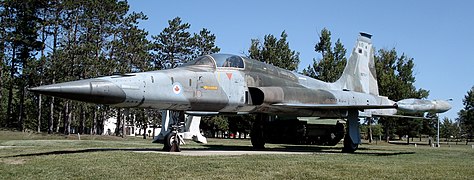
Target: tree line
[51, 41]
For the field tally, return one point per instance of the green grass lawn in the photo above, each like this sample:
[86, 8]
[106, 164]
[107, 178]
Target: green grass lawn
[41, 156]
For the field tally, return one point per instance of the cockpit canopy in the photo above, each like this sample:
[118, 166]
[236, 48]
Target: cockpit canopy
[218, 60]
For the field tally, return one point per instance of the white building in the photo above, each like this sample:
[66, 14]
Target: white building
[111, 123]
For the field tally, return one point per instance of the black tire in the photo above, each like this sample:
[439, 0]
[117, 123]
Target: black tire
[256, 135]
[257, 140]
[168, 141]
[349, 146]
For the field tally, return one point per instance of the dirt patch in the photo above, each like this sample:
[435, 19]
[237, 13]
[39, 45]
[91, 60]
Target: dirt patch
[14, 161]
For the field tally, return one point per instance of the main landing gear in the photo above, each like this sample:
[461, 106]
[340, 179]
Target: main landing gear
[352, 137]
[256, 134]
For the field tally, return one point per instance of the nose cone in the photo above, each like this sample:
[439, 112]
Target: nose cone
[90, 90]
[442, 106]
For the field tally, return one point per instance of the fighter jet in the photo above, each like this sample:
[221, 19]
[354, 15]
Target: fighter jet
[233, 85]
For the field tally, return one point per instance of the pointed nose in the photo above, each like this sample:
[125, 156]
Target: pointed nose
[90, 90]
[442, 106]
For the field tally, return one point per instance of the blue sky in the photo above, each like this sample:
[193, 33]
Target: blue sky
[437, 34]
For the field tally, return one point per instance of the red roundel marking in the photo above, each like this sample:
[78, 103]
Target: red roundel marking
[177, 89]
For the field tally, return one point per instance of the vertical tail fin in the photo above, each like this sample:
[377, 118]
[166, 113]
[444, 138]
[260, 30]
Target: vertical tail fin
[359, 74]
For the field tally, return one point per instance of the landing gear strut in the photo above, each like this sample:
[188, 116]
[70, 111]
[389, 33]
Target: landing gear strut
[172, 130]
[352, 137]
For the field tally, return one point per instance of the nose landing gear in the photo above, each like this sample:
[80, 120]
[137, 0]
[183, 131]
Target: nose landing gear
[173, 139]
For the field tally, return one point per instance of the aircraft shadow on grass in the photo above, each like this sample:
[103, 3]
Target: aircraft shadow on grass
[302, 148]
[309, 149]
[59, 152]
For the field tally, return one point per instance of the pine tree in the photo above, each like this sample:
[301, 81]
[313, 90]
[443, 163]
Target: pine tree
[214, 124]
[466, 115]
[447, 129]
[275, 51]
[3, 49]
[396, 81]
[22, 25]
[50, 69]
[333, 61]
[204, 43]
[173, 45]
[131, 47]
[46, 42]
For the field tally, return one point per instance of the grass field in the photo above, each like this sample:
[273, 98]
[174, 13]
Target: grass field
[41, 156]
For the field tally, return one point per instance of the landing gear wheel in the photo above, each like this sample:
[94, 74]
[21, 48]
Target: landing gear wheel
[256, 135]
[349, 146]
[171, 143]
[257, 140]
[166, 142]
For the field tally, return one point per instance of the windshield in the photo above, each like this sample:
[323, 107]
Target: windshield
[226, 60]
[201, 61]
[221, 60]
